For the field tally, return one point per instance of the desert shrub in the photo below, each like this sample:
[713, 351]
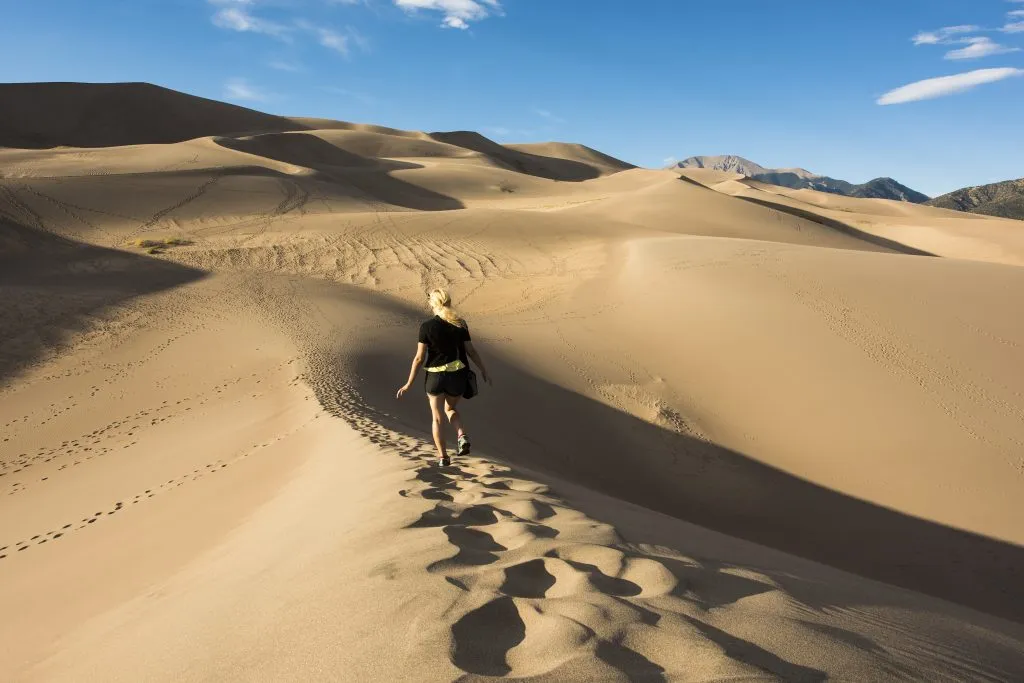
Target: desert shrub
[162, 243]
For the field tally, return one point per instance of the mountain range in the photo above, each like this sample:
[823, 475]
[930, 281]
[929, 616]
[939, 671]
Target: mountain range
[800, 178]
[1005, 199]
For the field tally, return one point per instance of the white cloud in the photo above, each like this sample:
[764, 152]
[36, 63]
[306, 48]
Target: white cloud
[943, 34]
[1014, 27]
[946, 85]
[241, 89]
[333, 40]
[237, 19]
[233, 17]
[457, 13]
[979, 47]
[669, 161]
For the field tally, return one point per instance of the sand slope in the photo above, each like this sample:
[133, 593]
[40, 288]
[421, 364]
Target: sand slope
[728, 439]
[41, 115]
[915, 228]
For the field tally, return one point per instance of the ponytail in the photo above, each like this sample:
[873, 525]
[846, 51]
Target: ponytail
[441, 304]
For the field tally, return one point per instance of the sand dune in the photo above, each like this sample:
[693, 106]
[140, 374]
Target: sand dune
[737, 432]
[915, 227]
[41, 115]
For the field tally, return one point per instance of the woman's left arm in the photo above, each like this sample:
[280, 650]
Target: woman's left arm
[417, 361]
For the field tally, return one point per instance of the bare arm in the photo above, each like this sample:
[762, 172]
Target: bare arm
[417, 362]
[474, 355]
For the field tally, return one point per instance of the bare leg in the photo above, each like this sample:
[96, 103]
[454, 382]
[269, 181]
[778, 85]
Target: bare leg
[437, 425]
[453, 414]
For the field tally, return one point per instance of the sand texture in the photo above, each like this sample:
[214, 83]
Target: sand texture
[737, 432]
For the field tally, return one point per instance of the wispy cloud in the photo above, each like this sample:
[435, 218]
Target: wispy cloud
[943, 35]
[241, 89]
[235, 18]
[234, 15]
[979, 46]
[971, 47]
[544, 113]
[456, 13]
[932, 88]
[329, 38]
[1014, 25]
[339, 41]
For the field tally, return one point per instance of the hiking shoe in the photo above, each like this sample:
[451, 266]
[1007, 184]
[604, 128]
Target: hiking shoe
[444, 462]
[464, 445]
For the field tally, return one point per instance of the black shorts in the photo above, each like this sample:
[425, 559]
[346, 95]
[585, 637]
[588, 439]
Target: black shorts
[448, 383]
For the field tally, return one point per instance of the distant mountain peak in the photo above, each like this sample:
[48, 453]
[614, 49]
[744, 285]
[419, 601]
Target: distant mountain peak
[729, 163]
[800, 178]
[1005, 199]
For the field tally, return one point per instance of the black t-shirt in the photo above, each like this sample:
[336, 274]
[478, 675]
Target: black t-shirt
[445, 342]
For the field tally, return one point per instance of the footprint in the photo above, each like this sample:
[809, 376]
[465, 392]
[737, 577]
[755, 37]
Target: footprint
[482, 638]
[443, 515]
[527, 580]
[475, 548]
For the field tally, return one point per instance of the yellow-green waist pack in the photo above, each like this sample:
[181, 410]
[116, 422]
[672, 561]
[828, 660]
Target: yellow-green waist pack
[448, 367]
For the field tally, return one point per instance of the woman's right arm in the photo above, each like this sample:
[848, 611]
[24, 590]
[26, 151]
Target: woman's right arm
[477, 360]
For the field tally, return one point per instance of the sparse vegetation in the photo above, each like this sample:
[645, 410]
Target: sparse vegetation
[505, 186]
[161, 245]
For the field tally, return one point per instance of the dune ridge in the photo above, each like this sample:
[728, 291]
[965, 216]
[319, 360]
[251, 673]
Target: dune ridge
[737, 431]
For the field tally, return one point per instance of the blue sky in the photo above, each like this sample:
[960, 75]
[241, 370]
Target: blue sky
[795, 83]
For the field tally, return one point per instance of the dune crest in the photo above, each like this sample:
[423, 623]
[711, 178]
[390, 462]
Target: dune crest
[737, 431]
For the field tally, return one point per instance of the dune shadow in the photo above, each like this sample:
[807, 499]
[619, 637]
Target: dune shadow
[838, 226]
[823, 221]
[55, 287]
[709, 587]
[744, 651]
[551, 168]
[337, 166]
[700, 482]
[636, 667]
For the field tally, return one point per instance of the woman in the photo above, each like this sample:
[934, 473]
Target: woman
[446, 348]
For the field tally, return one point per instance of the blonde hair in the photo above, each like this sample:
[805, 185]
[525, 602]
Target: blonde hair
[441, 305]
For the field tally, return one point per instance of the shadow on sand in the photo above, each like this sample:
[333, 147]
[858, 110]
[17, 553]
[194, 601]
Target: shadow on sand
[529, 421]
[52, 287]
[824, 221]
